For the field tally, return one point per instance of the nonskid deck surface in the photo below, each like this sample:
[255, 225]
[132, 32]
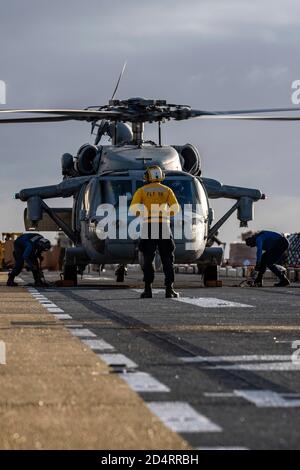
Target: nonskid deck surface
[219, 367]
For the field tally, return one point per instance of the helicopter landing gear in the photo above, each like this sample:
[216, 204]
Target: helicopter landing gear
[121, 272]
[210, 273]
[70, 273]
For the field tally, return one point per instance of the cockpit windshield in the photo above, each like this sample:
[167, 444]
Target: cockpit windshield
[114, 189]
[183, 191]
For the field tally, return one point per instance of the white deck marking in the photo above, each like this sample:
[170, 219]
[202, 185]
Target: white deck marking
[181, 417]
[258, 362]
[154, 291]
[282, 366]
[267, 399]
[143, 382]
[55, 309]
[99, 278]
[117, 360]
[211, 302]
[82, 333]
[243, 358]
[62, 316]
[47, 303]
[98, 344]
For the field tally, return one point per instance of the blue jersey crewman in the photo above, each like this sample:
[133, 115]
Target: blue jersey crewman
[28, 249]
[270, 249]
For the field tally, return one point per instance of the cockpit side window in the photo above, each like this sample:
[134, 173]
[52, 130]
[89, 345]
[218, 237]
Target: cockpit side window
[116, 188]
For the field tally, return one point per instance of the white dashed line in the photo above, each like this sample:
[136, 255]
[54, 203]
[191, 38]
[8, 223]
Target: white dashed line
[267, 399]
[82, 333]
[47, 303]
[98, 344]
[62, 316]
[117, 360]
[181, 417]
[54, 309]
[143, 382]
[243, 358]
[282, 366]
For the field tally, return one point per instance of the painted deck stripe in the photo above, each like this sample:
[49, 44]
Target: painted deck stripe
[117, 360]
[143, 382]
[47, 303]
[211, 302]
[243, 358]
[181, 417]
[154, 291]
[267, 366]
[82, 333]
[98, 344]
[55, 310]
[62, 316]
[267, 399]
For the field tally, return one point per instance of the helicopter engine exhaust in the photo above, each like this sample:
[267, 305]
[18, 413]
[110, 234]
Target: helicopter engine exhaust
[190, 158]
[85, 160]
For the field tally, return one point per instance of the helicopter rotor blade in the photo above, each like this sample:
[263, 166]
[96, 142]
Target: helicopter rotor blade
[248, 118]
[119, 79]
[74, 113]
[35, 119]
[254, 111]
[241, 112]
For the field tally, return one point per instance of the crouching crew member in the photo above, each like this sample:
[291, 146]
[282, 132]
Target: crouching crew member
[157, 203]
[28, 249]
[270, 249]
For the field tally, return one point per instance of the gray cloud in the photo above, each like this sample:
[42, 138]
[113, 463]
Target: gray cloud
[211, 54]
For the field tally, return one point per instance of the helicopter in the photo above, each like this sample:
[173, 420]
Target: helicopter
[101, 173]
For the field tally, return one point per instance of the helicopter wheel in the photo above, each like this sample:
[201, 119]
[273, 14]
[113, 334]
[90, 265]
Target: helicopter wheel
[120, 273]
[70, 273]
[210, 273]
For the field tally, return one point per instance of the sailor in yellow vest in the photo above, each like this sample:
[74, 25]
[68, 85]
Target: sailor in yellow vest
[156, 203]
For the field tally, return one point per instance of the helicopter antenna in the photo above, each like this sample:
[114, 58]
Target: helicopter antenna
[119, 79]
[103, 126]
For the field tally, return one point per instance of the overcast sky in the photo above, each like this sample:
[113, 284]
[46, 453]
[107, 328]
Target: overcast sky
[210, 54]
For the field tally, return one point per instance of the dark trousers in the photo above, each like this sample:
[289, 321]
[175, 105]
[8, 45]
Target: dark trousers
[19, 261]
[157, 235]
[270, 257]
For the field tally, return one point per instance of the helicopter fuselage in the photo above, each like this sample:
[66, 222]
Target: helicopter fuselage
[121, 246]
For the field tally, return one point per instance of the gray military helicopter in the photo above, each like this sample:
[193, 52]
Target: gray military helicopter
[99, 174]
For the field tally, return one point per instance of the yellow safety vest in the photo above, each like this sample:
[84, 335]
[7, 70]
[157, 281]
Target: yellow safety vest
[154, 201]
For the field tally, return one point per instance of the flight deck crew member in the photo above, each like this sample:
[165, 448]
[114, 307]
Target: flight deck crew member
[156, 232]
[28, 249]
[270, 249]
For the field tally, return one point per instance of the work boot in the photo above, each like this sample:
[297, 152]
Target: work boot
[283, 282]
[258, 282]
[170, 292]
[11, 282]
[147, 294]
